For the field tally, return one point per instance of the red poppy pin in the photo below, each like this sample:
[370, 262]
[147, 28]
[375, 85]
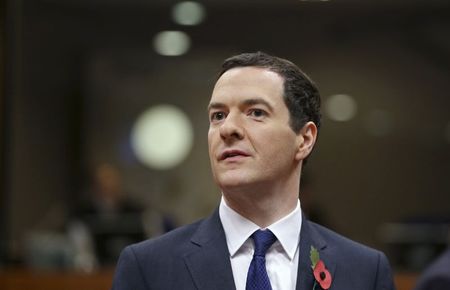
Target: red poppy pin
[321, 274]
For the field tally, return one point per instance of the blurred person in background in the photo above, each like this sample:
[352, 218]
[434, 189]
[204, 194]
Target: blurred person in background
[108, 220]
[437, 275]
[264, 116]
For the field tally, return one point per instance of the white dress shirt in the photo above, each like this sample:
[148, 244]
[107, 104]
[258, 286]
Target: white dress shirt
[282, 256]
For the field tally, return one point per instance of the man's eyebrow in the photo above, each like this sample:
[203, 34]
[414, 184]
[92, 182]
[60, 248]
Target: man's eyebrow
[247, 102]
[257, 101]
[215, 105]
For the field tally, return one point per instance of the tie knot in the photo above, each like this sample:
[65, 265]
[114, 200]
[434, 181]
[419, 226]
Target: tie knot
[263, 240]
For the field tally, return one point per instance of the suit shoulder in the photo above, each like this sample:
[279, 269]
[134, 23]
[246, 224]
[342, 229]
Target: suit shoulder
[436, 276]
[360, 265]
[344, 244]
[146, 265]
[177, 238]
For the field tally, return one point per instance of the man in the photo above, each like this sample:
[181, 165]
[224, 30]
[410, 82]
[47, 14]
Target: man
[264, 119]
[437, 275]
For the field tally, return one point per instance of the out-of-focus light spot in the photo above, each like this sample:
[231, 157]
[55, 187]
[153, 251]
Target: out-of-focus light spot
[340, 107]
[447, 132]
[188, 13]
[379, 123]
[162, 137]
[171, 43]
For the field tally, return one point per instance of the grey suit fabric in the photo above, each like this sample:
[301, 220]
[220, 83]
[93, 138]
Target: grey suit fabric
[196, 257]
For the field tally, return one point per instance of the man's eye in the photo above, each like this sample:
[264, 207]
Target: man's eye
[217, 116]
[258, 113]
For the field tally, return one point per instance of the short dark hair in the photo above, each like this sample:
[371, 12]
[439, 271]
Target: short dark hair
[300, 93]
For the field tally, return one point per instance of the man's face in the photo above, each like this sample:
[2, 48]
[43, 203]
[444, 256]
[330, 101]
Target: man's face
[250, 140]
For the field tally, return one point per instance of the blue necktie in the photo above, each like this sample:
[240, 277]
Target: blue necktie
[257, 278]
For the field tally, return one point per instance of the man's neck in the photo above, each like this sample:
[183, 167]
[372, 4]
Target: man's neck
[261, 207]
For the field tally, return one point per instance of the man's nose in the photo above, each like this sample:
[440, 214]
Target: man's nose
[231, 128]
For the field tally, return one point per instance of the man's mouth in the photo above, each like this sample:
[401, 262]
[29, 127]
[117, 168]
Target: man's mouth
[232, 153]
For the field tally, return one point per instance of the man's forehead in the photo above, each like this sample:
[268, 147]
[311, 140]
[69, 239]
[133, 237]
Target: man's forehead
[250, 78]
[253, 72]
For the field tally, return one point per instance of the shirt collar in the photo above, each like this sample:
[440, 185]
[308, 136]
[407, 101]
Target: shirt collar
[238, 229]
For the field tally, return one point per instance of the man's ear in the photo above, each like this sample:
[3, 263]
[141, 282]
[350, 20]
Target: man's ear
[307, 138]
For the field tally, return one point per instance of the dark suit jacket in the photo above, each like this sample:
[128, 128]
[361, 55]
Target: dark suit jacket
[196, 257]
[437, 275]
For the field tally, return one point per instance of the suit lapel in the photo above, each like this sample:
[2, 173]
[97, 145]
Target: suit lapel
[210, 267]
[209, 264]
[309, 236]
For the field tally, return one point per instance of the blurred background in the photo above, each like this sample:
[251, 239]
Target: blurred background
[103, 123]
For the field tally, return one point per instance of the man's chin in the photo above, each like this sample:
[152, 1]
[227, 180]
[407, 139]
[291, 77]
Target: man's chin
[233, 182]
